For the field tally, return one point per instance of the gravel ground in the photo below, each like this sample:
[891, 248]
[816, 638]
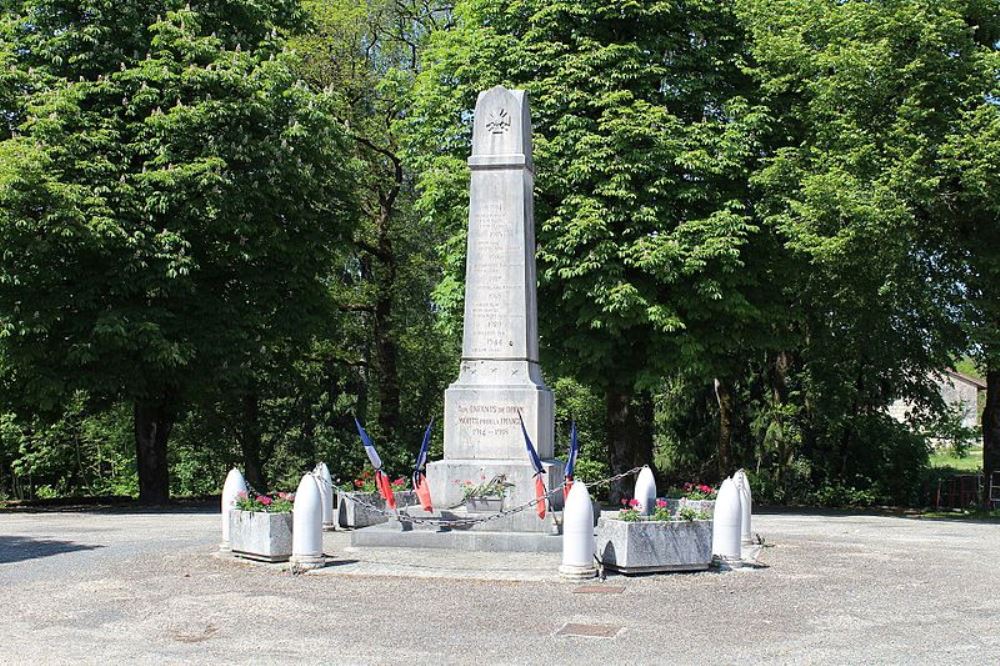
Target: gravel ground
[124, 586]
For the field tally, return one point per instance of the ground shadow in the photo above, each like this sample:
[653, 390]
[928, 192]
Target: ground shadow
[129, 507]
[19, 548]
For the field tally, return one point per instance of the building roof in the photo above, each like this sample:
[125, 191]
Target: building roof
[978, 383]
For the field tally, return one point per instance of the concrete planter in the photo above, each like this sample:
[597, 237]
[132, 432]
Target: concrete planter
[649, 546]
[351, 515]
[261, 536]
[484, 504]
[676, 505]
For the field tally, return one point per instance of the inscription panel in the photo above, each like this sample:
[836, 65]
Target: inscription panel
[495, 311]
[490, 420]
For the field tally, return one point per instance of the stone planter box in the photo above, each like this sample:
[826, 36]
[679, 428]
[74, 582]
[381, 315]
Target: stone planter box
[707, 506]
[649, 546]
[257, 535]
[351, 515]
[484, 504]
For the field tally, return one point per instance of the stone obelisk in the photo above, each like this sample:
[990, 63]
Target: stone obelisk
[500, 375]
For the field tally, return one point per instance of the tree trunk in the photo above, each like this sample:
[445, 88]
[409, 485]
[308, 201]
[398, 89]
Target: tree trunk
[250, 442]
[726, 407]
[153, 422]
[991, 430]
[386, 355]
[779, 396]
[629, 428]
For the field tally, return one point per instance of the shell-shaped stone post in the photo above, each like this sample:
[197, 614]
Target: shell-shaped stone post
[234, 485]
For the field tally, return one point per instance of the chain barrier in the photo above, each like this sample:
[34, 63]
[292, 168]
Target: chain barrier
[466, 522]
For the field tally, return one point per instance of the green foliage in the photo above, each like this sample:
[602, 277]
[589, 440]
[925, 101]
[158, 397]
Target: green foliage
[85, 451]
[838, 495]
[693, 491]
[949, 430]
[172, 199]
[766, 220]
[629, 515]
[495, 487]
[642, 228]
[944, 459]
[576, 402]
[689, 513]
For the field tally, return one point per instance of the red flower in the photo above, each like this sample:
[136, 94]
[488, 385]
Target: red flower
[633, 503]
[264, 499]
[358, 483]
[661, 504]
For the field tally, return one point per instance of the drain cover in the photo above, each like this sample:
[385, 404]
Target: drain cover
[599, 589]
[590, 630]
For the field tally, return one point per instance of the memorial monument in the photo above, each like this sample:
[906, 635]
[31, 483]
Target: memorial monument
[500, 375]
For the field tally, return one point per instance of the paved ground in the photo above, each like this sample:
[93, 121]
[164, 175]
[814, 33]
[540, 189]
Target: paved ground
[113, 587]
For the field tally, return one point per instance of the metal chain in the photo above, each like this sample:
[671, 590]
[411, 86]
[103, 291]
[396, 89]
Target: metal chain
[462, 522]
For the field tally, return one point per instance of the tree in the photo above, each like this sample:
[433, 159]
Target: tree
[364, 56]
[864, 97]
[968, 210]
[169, 205]
[643, 137]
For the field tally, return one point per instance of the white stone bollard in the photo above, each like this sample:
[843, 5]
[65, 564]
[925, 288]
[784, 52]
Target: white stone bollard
[645, 491]
[234, 485]
[578, 535]
[726, 523]
[746, 506]
[307, 525]
[326, 494]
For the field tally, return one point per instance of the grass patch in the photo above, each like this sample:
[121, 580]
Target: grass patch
[966, 514]
[970, 463]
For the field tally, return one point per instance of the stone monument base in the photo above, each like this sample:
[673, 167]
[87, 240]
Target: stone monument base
[391, 535]
[447, 476]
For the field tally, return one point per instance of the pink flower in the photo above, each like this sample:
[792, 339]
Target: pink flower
[661, 504]
[241, 495]
[633, 503]
[265, 500]
[624, 502]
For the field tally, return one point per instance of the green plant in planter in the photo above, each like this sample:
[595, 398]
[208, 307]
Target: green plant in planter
[693, 491]
[495, 487]
[690, 513]
[630, 514]
[365, 483]
[280, 503]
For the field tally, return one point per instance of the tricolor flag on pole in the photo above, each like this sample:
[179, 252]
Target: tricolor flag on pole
[381, 480]
[574, 449]
[420, 486]
[539, 470]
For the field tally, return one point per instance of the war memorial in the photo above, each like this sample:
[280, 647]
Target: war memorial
[499, 428]
[511, 579]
